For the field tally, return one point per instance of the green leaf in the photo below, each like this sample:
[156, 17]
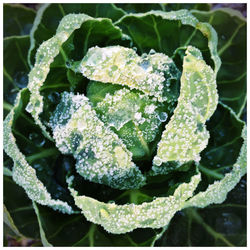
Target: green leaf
[17, 19]
[23, 174]
[188, 6]
[101, 156]
[19, 210]
[15, 68]
[139, 8]
[230, 26]
[42, 234]
[145, 7]
[9, 221]
[49, 16]
[119, 219]
[185, 136]
[167, 31]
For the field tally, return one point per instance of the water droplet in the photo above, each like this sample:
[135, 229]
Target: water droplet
[228, 223]
[145, 64]
[68, 64]
[163, 116]
[40, 164]
[134, 48]
[223, 37]
[157, 161]
[29, 108]
[152, 52]
[37, 139]
[58, 193]
[54, 97]
[20, 79]
[103, 213]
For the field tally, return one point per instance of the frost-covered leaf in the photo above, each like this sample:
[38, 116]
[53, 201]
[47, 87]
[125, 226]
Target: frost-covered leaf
[230, 26]
[152, 74]
[50, 49]
[22, 173]
[75, 230]
[185, 136]
[49, 16]
[217, 192]
[118, 219]
[17, 20]
[135, 117]
[101, 156]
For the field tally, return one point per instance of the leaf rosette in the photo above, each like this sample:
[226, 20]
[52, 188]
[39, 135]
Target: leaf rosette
[122, 103]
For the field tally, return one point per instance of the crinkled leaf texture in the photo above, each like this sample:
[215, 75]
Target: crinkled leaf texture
[188, 43]
[22, 173]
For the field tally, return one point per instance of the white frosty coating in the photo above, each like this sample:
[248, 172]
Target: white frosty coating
[23, 174]
[45, 56]
[101, 156]
[118, 219]
[120, 65]
[217, 192]
[123, 106]
[185, 136]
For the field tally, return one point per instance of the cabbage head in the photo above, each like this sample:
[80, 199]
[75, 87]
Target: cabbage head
[122, 122]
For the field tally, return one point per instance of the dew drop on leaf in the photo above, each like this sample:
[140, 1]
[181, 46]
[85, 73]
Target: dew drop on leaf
[20, 79]
[163, 116]
[228, 223]
[152, 52]
[29, 108]
[37, 139]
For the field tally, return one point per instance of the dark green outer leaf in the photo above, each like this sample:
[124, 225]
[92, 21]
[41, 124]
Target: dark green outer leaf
[18, 20]
[49, 16]
[217, 225]
[145, 7]
[139, 7]
[166, 32]
[224, 143]
[15, 68]
[20, 209]
[189, 6]
[230, 26]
